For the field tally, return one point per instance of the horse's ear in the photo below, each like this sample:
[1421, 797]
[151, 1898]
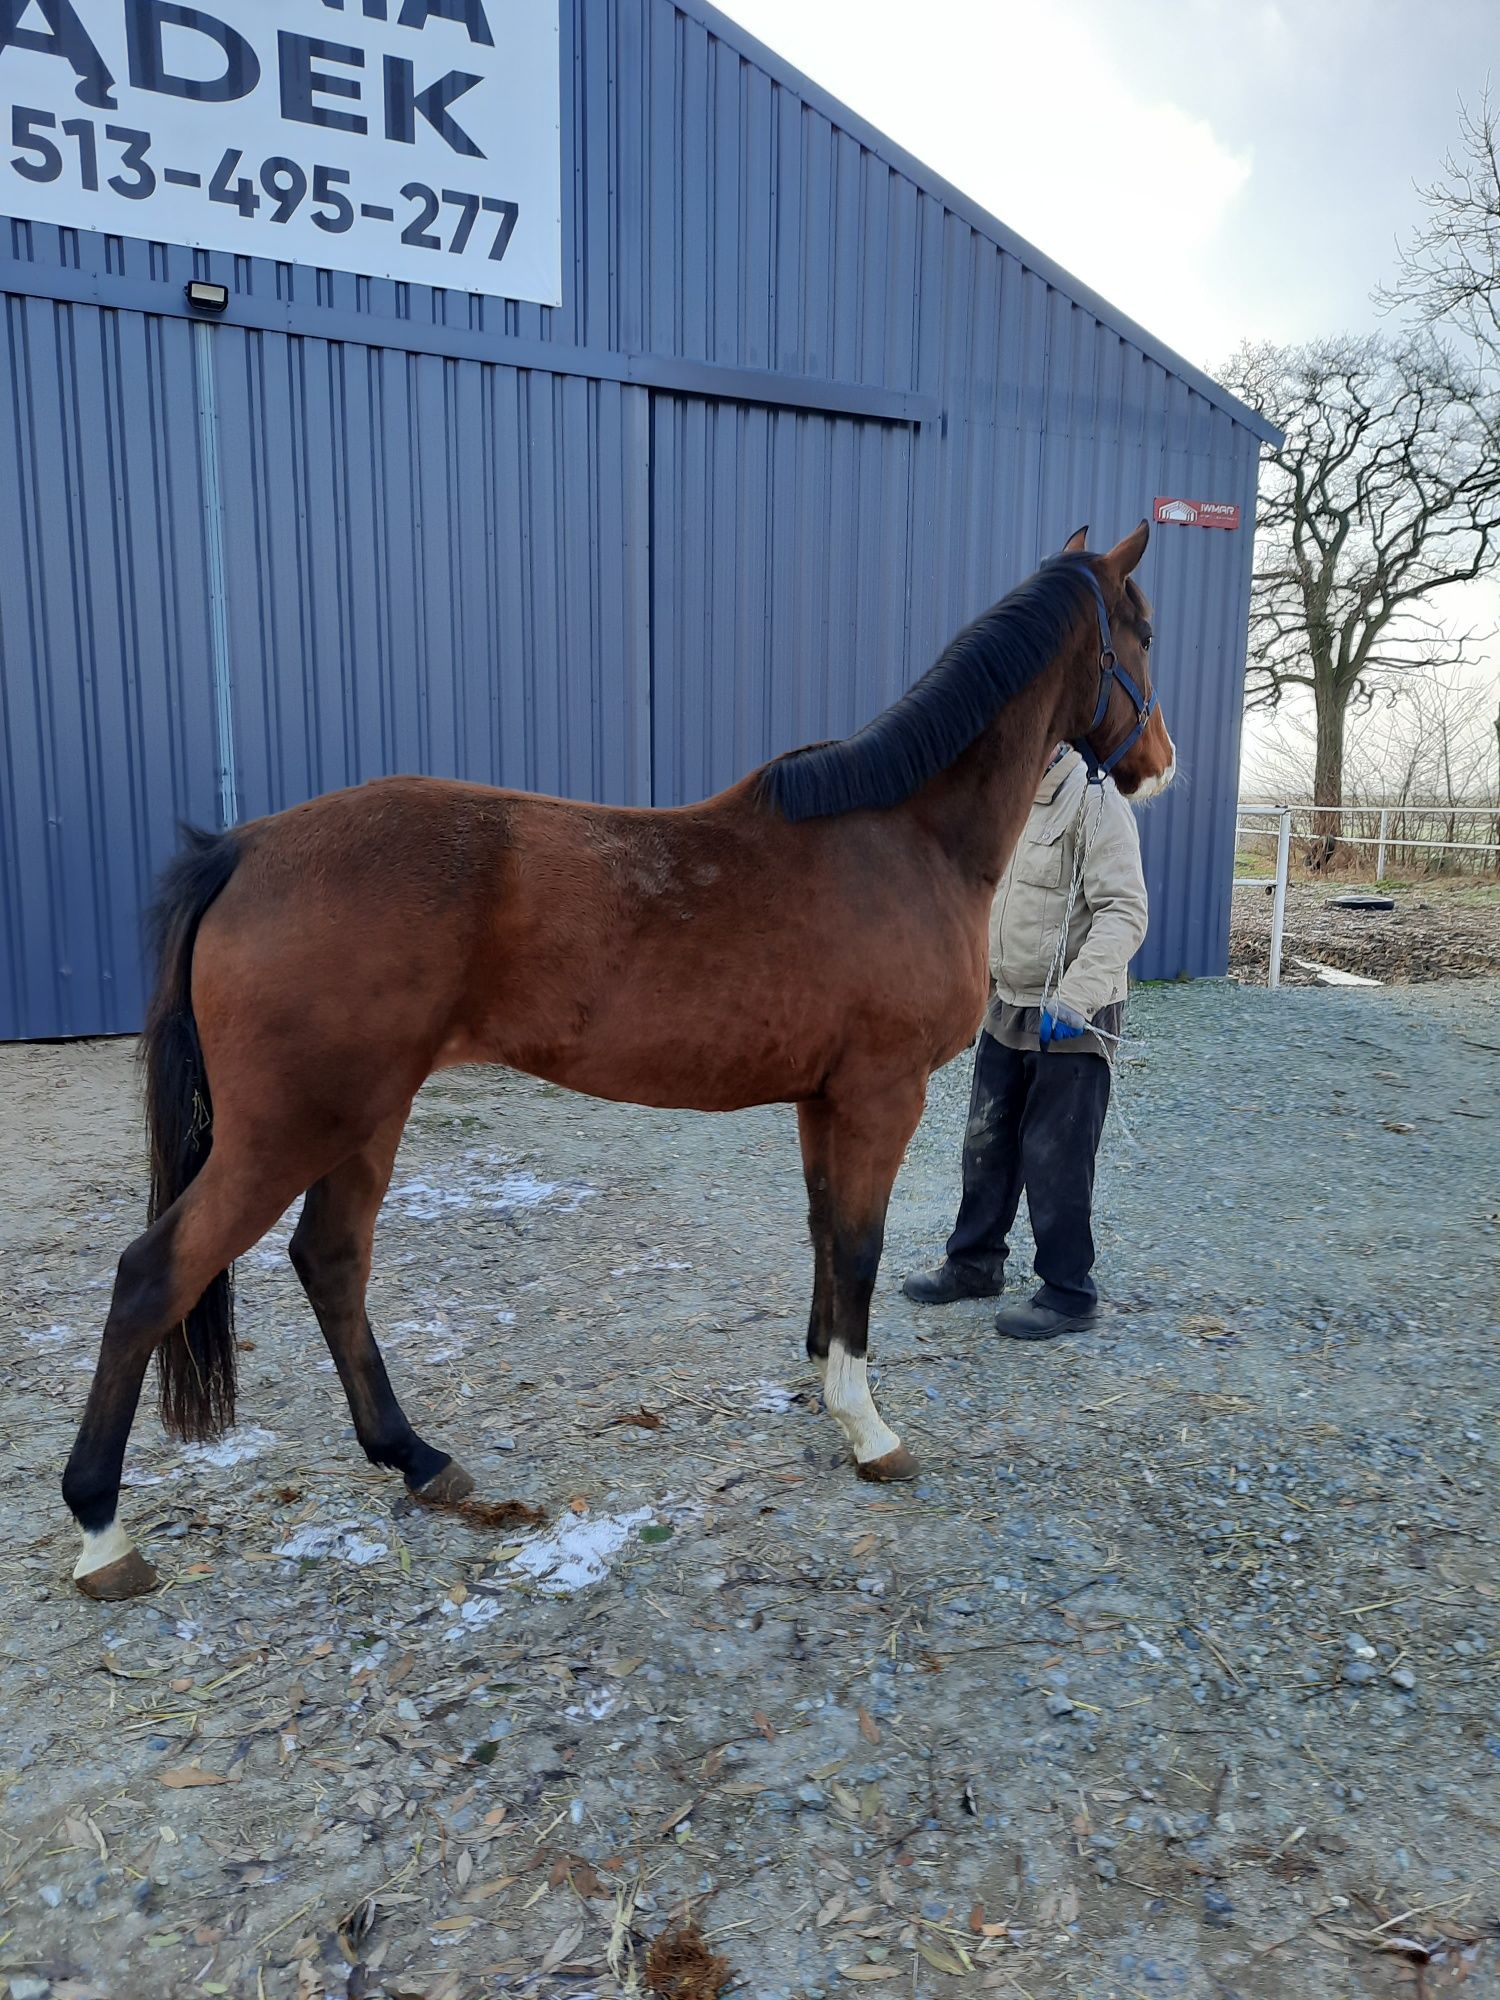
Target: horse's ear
[1124, 556]
[1076, 543]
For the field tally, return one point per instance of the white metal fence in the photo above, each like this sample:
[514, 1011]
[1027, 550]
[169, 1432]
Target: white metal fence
[1396, 828]
[1281, 830]
[1387, 828]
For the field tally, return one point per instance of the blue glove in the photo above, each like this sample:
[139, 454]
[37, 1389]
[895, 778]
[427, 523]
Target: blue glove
[1060, 1023]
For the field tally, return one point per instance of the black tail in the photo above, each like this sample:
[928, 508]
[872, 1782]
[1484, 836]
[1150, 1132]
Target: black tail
[196, 1360]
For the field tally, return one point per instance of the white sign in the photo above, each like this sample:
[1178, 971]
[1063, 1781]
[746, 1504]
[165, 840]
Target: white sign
[411, 139]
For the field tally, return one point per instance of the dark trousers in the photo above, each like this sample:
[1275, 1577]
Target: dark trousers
[1034, 1122]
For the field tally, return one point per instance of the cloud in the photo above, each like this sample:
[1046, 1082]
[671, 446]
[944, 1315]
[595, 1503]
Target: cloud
[1027, 110]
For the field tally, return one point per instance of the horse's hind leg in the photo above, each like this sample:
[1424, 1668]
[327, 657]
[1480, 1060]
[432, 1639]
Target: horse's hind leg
[161, 1277]
[330, 1249]
[852, 1148]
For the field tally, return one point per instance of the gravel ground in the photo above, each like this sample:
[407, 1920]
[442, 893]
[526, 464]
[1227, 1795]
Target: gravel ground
[1178, 1672]
[1438, 930]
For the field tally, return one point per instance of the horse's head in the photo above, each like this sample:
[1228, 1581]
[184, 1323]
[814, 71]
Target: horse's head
[1122, 729]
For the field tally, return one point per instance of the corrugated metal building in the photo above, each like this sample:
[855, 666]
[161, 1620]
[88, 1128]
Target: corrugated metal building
[804, 410]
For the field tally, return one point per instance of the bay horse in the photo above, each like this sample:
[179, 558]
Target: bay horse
[814, 935]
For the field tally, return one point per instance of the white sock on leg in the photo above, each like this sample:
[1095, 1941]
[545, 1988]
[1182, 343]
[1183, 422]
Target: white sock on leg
[846, 1391]
[101, 1547]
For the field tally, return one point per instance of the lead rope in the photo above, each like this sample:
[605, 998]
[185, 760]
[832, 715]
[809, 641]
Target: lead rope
[1080, 863]
[1081, 848]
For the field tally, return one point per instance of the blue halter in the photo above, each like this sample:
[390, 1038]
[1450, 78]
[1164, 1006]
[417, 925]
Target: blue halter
[1110, 670]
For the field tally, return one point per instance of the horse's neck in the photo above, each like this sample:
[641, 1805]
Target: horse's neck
[978, 806]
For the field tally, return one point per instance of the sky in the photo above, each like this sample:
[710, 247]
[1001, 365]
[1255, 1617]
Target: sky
[1220, 170]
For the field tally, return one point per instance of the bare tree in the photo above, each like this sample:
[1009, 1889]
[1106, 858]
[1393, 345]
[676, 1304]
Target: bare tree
[1450, 269]
[1385, 493]
[1425, 744]
[1442, 736]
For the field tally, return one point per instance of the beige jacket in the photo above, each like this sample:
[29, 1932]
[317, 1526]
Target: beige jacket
[1109, 917]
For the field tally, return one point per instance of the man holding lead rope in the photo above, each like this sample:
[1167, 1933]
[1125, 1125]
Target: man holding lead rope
[1069, 915]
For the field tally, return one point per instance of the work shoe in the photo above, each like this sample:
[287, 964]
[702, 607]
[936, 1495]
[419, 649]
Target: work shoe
[947, 1282]
[1027, 1319]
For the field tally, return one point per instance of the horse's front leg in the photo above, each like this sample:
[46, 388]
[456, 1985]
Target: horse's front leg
[853, 1143]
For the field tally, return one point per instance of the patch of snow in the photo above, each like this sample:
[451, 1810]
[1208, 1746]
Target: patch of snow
[526, 1191]
[234, 1448]
[343, 1541]
[774, 1396]
[51, 1336]
[425, 1201]
[392, 1336]
[597, 1704]
[654, 1262]
[472, 1613]
[577, 1552]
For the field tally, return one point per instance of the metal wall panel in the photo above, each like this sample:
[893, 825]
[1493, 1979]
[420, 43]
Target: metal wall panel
[804, 411]
[436, 566]
[780, 547]
[106, 703]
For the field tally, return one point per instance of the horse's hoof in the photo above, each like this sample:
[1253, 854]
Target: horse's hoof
[446, 1488]
[129, 1576]
[897, 1466]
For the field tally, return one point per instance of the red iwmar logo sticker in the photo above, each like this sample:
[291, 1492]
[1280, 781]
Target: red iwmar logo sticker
[1196, 513]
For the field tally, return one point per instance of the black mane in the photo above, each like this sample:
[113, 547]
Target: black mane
[934, 722]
